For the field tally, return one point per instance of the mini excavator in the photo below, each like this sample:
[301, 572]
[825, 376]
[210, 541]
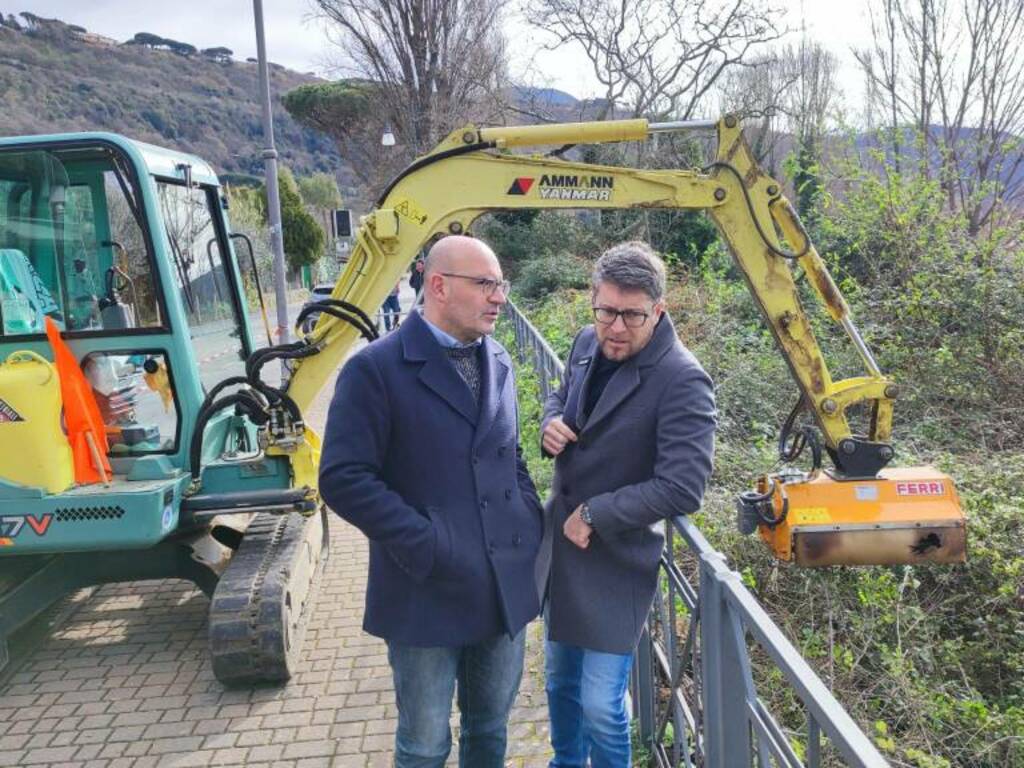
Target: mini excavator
[125, 251]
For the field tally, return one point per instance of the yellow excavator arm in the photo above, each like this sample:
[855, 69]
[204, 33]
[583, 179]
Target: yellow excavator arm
[472, 172]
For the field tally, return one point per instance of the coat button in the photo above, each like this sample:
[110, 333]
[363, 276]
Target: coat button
[517, 540]
[508, 493]
[490, 548]
[483, 503]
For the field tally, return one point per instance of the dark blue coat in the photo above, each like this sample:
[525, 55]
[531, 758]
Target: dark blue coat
[439, 488]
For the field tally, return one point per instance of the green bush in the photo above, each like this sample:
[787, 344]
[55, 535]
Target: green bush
[942, 309]
[544, 275]
[518, 237]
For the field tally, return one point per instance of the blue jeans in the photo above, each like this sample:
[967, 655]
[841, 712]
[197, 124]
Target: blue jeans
[488, 676]
[587, 706]
[391, 309]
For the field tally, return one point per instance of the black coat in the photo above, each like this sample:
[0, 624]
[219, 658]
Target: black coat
[643, 455]
[439, 488]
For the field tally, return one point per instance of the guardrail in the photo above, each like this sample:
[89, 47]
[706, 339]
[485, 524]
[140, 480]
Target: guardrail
[693, 691]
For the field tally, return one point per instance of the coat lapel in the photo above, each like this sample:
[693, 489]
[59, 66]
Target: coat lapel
[493, 372]
[437, 373]
[581, 366]
[621, 385]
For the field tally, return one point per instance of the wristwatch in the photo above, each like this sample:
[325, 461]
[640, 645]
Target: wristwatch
[585, 514]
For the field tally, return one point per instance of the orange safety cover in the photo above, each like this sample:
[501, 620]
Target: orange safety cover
[81, 413]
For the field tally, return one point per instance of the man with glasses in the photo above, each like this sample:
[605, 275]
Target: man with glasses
[421, 453]
[632, 432]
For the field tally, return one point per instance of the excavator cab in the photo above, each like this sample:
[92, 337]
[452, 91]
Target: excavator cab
[126, 249]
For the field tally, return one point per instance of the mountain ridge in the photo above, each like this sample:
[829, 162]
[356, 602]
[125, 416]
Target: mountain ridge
[57, 78]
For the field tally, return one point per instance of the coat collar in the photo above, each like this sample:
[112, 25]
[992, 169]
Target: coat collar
[420, 347]
[627, 378]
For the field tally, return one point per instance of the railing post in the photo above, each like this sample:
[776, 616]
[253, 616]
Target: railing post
[726, 729]
[643, 672]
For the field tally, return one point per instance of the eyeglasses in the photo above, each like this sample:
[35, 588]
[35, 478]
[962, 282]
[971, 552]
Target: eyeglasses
[486, 285]
[631, 318]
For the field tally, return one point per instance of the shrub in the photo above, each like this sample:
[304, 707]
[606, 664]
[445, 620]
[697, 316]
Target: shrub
[942, 309]
[545, 275]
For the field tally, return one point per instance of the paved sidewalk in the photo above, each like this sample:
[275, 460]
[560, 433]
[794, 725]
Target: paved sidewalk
[127, 682]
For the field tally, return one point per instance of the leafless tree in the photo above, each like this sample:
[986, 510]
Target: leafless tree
[435, 63]
[813, 98]
[658, 57]
[789, 94]
[955, 75]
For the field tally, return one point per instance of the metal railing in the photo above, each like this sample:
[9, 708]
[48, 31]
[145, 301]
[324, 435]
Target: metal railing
[693, 690]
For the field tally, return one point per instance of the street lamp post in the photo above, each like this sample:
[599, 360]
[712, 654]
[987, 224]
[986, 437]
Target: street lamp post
[270, 167]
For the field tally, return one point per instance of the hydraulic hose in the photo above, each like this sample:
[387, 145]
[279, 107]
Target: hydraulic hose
[244, 400]
[790, 255]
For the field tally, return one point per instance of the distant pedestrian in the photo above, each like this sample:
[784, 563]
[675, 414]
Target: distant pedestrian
[416, 276]
[392, 308]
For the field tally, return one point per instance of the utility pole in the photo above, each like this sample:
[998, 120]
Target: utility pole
[270, 167]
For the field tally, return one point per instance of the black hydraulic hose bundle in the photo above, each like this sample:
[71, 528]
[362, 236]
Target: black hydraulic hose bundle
[245, 402]
[792, 442]
[257, 401]
[789, 255]
[759, 505]
[423, 162]
[753, 506]
[342, 310]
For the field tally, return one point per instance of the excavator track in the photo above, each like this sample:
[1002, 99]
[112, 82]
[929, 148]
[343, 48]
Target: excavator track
[263, 601]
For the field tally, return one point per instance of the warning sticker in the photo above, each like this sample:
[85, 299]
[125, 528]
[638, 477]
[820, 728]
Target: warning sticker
[411, 211]
[8, 414]
[807, 515]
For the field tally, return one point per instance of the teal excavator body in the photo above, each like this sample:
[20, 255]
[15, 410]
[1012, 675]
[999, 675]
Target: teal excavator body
[127, 248]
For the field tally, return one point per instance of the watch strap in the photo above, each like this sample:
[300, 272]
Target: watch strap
[585, 514]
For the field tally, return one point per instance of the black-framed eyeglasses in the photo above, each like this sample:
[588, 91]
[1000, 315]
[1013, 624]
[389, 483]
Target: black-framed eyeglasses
[631, 318]
[486, 285]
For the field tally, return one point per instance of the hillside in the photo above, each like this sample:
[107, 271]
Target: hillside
[56, 78]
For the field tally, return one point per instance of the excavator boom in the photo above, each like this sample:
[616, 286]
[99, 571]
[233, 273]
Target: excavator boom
[472, 172]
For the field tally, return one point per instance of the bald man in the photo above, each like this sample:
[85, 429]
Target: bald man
[421, 453]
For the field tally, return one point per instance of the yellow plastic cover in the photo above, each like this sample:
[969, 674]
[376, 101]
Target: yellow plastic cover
[33, 448]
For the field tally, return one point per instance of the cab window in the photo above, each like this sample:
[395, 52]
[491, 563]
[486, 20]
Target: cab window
[73, 244]
[204, 279]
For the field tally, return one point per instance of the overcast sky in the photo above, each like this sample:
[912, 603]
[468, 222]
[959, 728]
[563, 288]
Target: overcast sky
[297, 40]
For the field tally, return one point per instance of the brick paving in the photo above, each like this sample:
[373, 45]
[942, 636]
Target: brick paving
[125, 682]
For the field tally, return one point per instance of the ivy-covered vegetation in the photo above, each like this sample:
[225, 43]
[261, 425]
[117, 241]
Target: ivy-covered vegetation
[929, 660]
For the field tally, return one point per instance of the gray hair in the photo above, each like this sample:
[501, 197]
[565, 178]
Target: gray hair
[631, 266]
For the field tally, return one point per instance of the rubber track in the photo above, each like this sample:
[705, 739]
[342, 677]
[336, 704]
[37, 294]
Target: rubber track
[247, 614]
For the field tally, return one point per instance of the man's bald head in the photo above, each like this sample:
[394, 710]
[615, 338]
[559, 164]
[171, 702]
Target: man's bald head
[459, 279]
[453, 253]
